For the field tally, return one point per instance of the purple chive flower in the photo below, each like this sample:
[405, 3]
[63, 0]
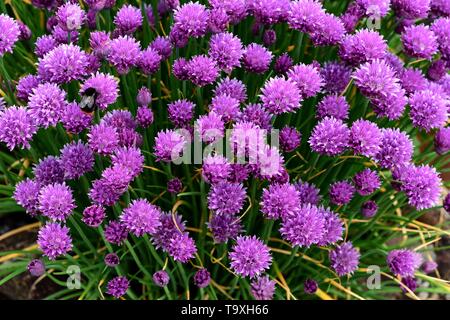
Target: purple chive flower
[226, 198]
[256, 58]
[333, 106]
[239, 172]
[394, 62]
[171, 225]
[344, 259]
[269, 37]
[202, 70]
[441, 7]
[119, 119]
[224, 227]
[235, 9]
[336, 77]
[289, 139]
[118, 286]
[179, 69]
[410, 283]
[256, 114]
[91, 19]
[333, 227]
[396, 149]
[94, 215]
[169, 145]
[209, 127]
[363, 46]
[74, 120]
[161, 278]
[144, 97]
[106, 87]
[162, 46]
[310, 286]
[9, 34]
[113, 183]
[124, 53]
[103, 139]
[250, 256]
[192, 19]
[413, 80]
[369, 209]
[280, 95]
[202, 278]
[128, 19]
[226, 49]
[70, 16]
[442, 141]
[419, 41]
[63, 64]
[305, 15]
[411, 9]
[49, 170]
[306, 226]
[26, 195]
[54, 240]
[99, 42]
[17, 127]
[182, 247]
[421, 184]
[76, 159]
[112, 260]
[218, 20]
[366, 182]
[341, 192]
[428, 110]
[429, 266]
[56, 201]
[262, 288]
[46, 104]
[330, 31]
[283, 64]
[144, 116]
[36, 267]
[149, 61]
[232, 87]
[437, 70]
[329, 137]
[404, 262]
[308, 193]
[141, 217]
[174, 185]
[115, 232]
[307, 78]
[441, 28]
[215, 169]
[269, 12]
[269, 162]
[279, 200]
[62, 36]
[26, 85]
[181, 112]
[226, 107]
[93, 63]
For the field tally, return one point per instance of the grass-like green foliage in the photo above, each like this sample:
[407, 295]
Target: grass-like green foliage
[139, 259]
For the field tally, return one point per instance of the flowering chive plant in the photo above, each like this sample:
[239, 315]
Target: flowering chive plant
[226, 149]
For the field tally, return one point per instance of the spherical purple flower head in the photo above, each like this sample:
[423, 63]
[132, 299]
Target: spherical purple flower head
[128, 19]
[119, 119]
[144, 116]
[365, 138]
[93, 215]
[181, 112]
[224, 227]
[420, 42]
[115, 232]
[46, 104]
[70, 16]
[429, 266]
[74, 120]
[202, 70]
[226, 49]
[17, 127]
[256, 58]
[192, 19]
[215, 169]
[103, 139]
[124, 53]
[63, 64]
[113, 183]
[289, 139]
[281, 178]
[283, 63]
[404, 262]
[76, 159]
[144, 97]
[25, 32]
[428, 110]
[99, 42]
[209, 127]
[179, 69]
[62, 36]
[333, 106]
[171, 225]
[239, 172]
[250, 256]
[410, 283]
[269, 12]
[118, 286]
[269, 37]
[226, 198]
[26, 195]
[232, 87]
[330, 137]
[112, 260]
[129, 158]
[280, 95]
[441, 28]
[226, 107]
[330, 32]
[49, 170]
[413, 80]
[93, 63]
[366, 182]
[369, 209]
[91, 19]
[305, 15]
[9, 34]
[269, 163]
[394, 62]
[440, 7]
[54, 240]
[44, 44]
[257, 115]
[307, 79]
[218, 20]
[310, 286]
[396, 149]
[141, 217]
[182, 247]
[161, 278]
[379, 7]
[262, 288]
[336, 77]
[174, 185]
[442, 141]
[202, 278]
[280, 200]
[162, 46]
[333, 227]
[422, 185]
[44, 4]
[26, 85]
[169, 145]
[308, 193]
[36, 267]
[149, 61]
[56, 201]
[363, 46]
[235, 9]
[437, 70]
[344, 259]
[341, 192]
[411, 9]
